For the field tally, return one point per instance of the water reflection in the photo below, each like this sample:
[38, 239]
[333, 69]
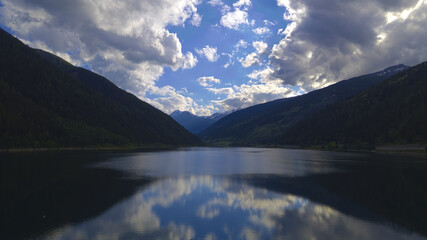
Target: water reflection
[42, 191]
[228, 161]
[212, 193]
[207, 207]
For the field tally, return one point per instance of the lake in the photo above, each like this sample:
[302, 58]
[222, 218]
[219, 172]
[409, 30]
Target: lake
[213, 193]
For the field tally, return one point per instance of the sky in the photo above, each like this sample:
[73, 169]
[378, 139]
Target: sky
[216, 55]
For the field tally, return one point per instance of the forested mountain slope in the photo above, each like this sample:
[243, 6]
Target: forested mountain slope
[264, 123]
[47, 102]
[392, 112]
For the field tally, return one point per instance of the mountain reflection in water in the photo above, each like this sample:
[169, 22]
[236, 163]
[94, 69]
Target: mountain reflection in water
[206, 207]
[213, 193]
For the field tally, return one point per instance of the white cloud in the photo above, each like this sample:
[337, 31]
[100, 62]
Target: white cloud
[208, 81]
[209, 53]
[250, 60]
[41, 45]
[231, 57]
[218, 3]
[239, 16]
[190, 61]
[255, 57]
[247, 95]
[234, 19]
[242, 3]
[403, 14]
[261, 30]
[262, 88]
[172, 100]
[326, 42]
[266, 22]
[196, 20]
[130, 49]
[221, 91]
[215, 3]
[261, 47]
[241, 44]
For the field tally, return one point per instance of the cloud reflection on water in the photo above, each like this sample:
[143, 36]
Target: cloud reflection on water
[206, 207]
[225, 161]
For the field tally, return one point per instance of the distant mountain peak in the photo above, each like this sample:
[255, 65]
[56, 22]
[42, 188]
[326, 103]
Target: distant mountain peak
[392, 70]
[195, 124]
[178, 112]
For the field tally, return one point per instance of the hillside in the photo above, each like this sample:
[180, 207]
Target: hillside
[392, 112]
[47, 102]
[196, 124]
[264, 123]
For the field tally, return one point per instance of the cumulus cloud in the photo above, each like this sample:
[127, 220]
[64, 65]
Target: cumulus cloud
[130, 49]
[171, 100]
[249, 60]
[219, 3]
[210, 53]
[266, 22]
[261, 47]
[262, 88]
[239, 16]
[215, 3]
[208, 81]
[234, 19]
[242, 3]
[255, 57]
[231, 56]
[261, 30]
[189, 61]
[222, 91]
[331, 40]
[241, 44]
[247, 95]
[196, 20]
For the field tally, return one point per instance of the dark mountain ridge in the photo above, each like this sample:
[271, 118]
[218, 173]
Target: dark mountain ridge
[264, 123]
[391, 112]
[47, 102]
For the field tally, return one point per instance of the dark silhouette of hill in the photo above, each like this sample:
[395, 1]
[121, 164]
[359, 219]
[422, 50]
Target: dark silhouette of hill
[47, 102]
[262, 124]
[392, 112]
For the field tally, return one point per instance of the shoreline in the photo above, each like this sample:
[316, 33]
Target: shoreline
[112, 148]
[389, 148]
[392, 148]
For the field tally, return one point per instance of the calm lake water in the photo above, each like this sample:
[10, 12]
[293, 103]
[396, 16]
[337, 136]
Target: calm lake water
[213, 193]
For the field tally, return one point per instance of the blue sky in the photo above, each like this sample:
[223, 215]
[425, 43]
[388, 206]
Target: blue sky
[224, 40]
[212, 56]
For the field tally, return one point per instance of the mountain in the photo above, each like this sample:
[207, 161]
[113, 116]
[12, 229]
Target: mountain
[47, 102]
[196, 124]
[392, 112]
[262, 124]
